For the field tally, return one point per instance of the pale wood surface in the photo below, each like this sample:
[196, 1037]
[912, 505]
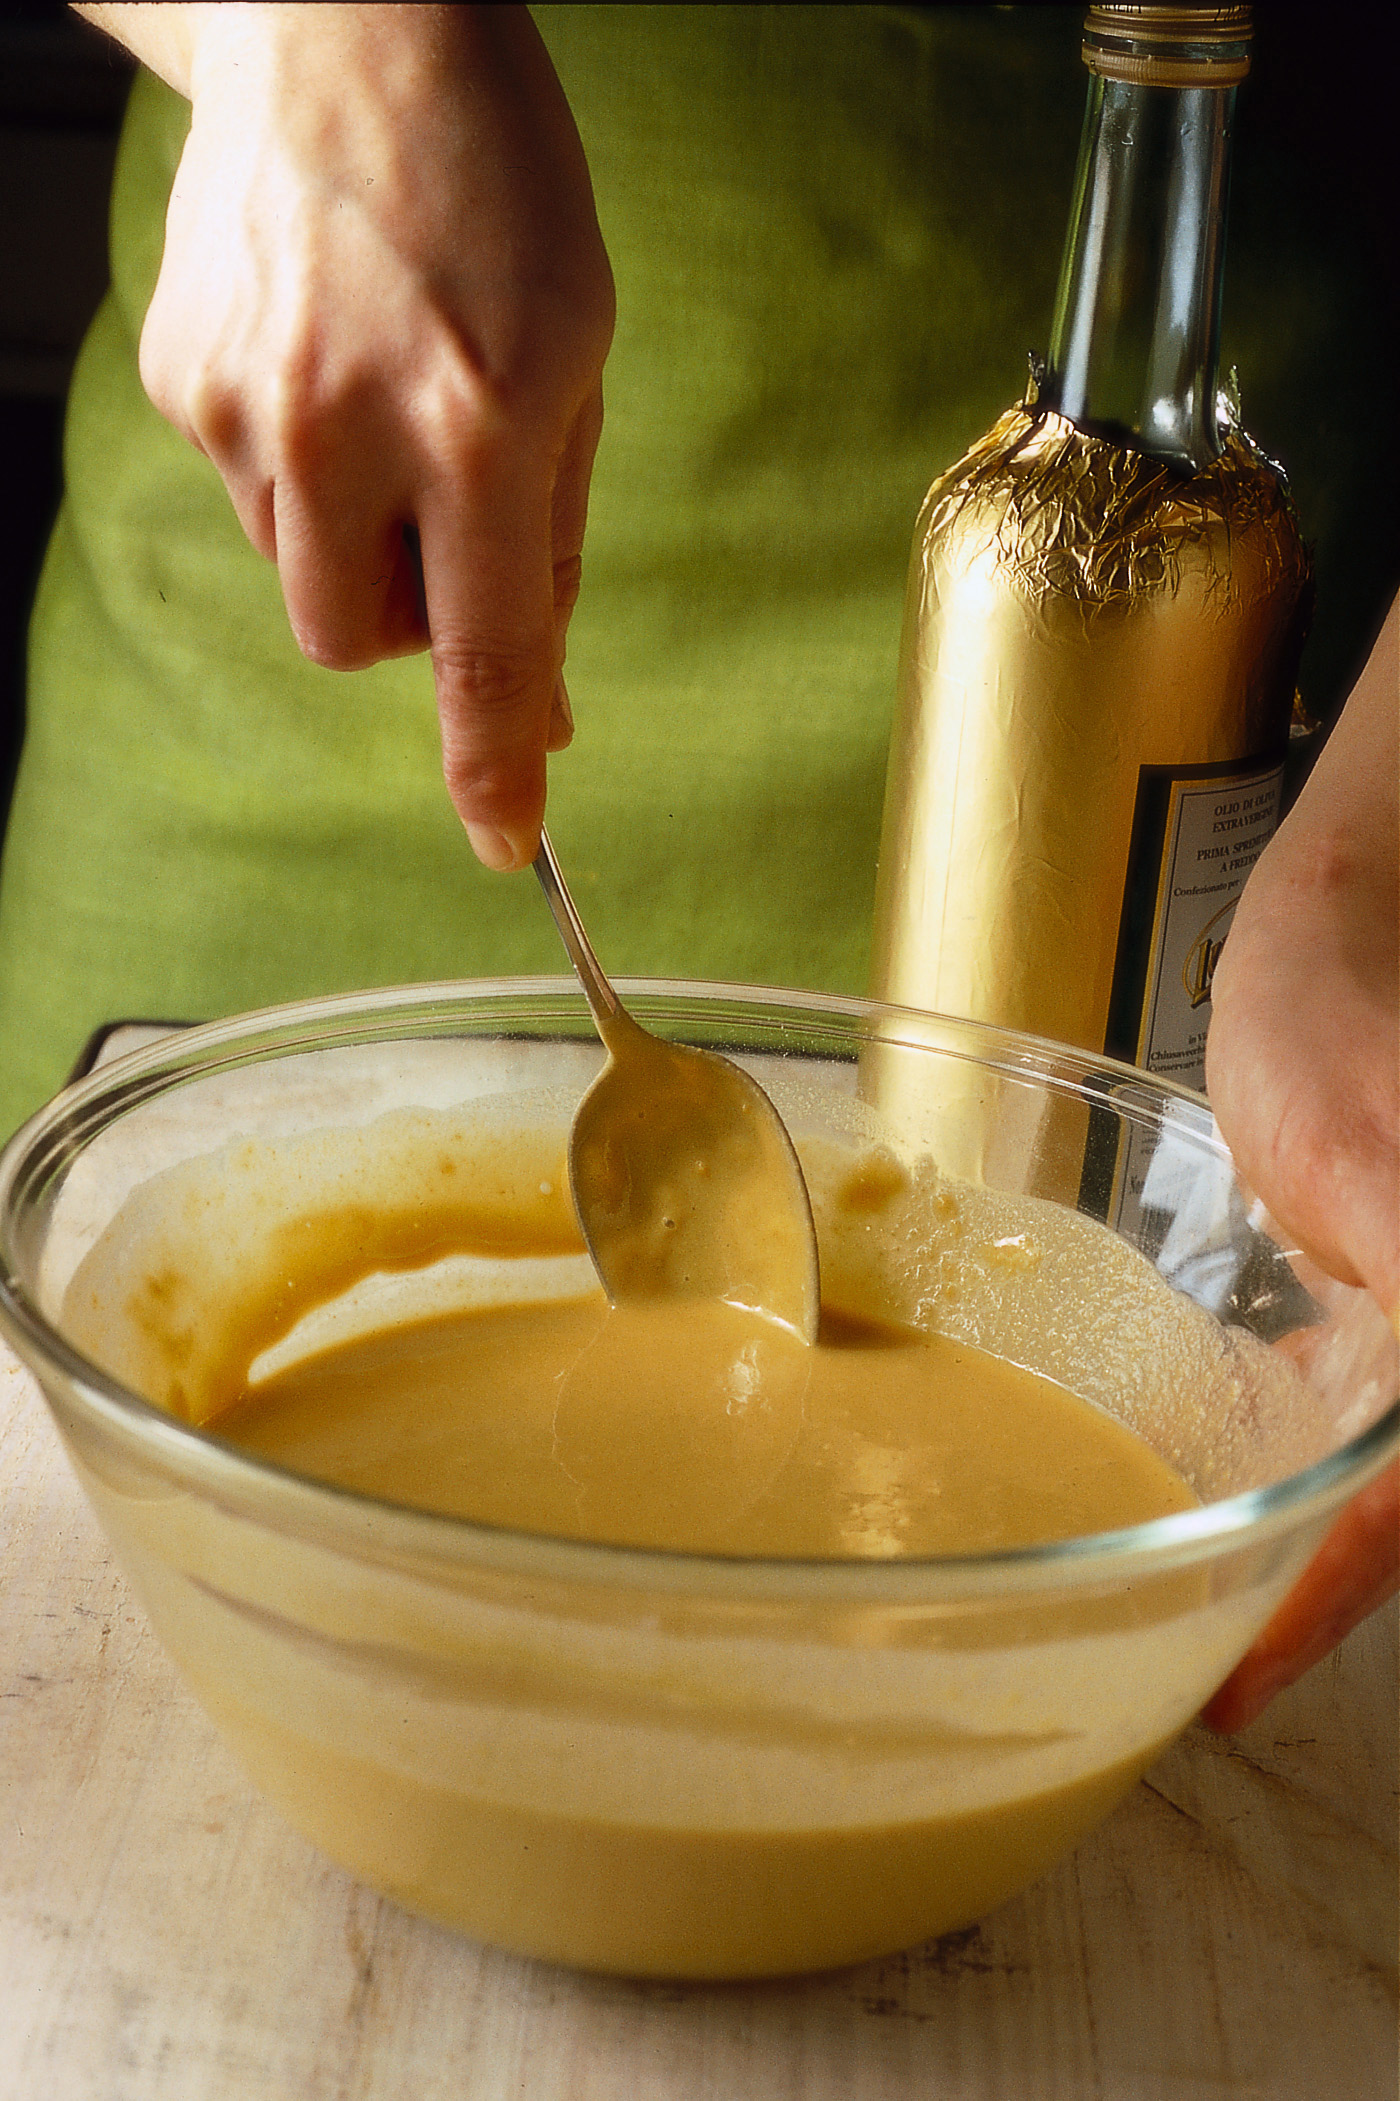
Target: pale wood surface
[1231, 1932]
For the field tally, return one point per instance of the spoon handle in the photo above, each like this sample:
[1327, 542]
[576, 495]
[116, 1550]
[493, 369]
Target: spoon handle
[602, 1000]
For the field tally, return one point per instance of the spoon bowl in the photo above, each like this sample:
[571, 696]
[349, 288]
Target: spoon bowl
[684, 1177]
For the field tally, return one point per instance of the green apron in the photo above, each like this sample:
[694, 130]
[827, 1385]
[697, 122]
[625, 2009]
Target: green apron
[835, 233]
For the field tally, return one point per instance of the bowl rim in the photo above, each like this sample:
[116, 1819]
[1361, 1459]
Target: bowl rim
[301, 1505]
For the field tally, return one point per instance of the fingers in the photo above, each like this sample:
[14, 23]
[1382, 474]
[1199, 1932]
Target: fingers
[488, 580]
[497, 649]
[1302, 1066]
[1355, 1570]
[569, 518]
[502, 561]
[569, 504]
[350, 581]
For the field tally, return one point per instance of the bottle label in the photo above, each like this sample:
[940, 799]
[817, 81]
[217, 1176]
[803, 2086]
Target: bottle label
[1197, 833]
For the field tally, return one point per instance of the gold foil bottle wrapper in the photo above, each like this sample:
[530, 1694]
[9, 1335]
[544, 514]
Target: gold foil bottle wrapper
[1077, 612]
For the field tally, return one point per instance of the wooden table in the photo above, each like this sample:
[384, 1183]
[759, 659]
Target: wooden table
[1231, 1932]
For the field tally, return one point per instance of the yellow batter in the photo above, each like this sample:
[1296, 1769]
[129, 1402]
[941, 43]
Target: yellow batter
[696, 1426]
[653, 1773]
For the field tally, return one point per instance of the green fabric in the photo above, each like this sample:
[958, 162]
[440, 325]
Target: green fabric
[835, 233]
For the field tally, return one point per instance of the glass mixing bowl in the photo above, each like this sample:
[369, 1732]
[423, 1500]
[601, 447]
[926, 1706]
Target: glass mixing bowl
[697, 1766]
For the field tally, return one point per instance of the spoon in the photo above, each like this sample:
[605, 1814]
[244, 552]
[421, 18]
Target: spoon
[684, 1178]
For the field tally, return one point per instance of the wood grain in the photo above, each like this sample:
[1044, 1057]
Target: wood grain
[1229, 1935]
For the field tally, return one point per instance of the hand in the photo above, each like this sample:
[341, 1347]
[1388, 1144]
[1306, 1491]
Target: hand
[1303, 1066]
[383, 311]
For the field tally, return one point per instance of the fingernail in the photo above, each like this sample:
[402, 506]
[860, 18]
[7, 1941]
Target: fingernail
[493, 849]
[561, 721]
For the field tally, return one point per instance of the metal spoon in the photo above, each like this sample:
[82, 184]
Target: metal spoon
[684, 1178]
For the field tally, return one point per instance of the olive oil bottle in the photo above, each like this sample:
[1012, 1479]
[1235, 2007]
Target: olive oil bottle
[1106, 602]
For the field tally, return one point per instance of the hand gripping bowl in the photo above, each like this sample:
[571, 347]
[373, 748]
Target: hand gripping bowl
[674, 1764]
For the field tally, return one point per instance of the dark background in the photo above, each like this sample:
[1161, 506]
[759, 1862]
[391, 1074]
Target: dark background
[62, 91]
[1314, 142]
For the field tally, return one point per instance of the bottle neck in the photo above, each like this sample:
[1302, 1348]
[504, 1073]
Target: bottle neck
[1135, 347]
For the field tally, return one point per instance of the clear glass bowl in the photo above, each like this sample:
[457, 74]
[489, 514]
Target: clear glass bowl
[675, 1764]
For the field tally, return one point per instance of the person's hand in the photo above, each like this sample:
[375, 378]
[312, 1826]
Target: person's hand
[1303, 1067]
[383, 310]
